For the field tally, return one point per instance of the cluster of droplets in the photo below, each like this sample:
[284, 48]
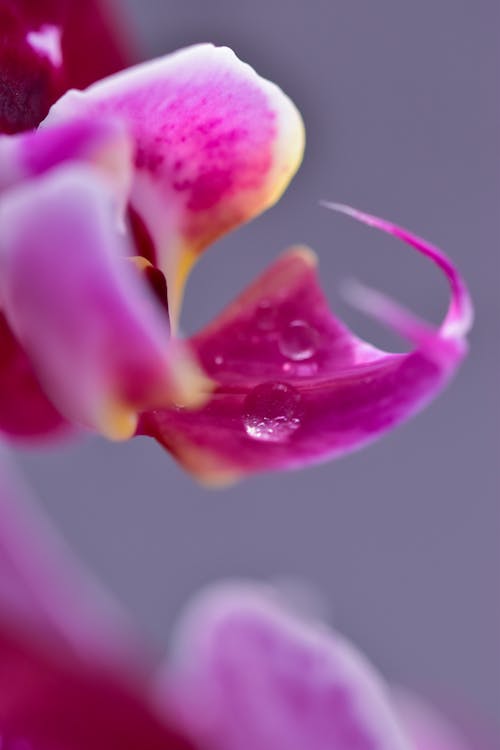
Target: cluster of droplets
[272, 412]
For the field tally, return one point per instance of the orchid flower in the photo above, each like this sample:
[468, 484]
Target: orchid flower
[104, 210]
[245, 673]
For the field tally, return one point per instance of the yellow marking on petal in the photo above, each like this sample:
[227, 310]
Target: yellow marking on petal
[192, 387]
[139, 262]
[204, 466]
[179, 268]
[306, 254]
[117, 422]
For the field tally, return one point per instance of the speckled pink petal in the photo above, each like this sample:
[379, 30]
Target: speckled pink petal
[215, 145]
[99, 342]
[247, 675]
[294, 386]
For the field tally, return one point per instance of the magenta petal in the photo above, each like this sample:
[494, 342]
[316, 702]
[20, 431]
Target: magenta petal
[25, 411]
[294, 386]
[52, 701]
[102, 143]
[98, 341]
[247, 675]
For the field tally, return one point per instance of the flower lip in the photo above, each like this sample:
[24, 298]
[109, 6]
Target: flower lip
[337, 392]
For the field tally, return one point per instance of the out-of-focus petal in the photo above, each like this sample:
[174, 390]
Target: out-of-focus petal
[247, 675]
[102, 143]
[46, 46]
[25, 411]
[216, 144]
[428, 729]
[294, 386]
[52, 701]
[98, 341]
[94, 38]
[44, 588]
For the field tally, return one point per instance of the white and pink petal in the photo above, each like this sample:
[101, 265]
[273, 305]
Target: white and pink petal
[215, 144]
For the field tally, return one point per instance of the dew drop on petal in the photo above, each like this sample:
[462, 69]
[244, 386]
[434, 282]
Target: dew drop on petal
[218, 360]
[272, 412]
[298, 341]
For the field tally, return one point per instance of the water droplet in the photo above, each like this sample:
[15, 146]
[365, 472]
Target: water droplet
[272, 412]
[298, 341]
[265, 316]
[218, 360]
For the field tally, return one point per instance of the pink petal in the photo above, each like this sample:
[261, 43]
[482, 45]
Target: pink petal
[44, 588]
[99, 342]
[68, 671]
[215, 145]
[249, 676]
[294, 386]
[45, 50]
[25, 411]
[102, 143]
[426, 727]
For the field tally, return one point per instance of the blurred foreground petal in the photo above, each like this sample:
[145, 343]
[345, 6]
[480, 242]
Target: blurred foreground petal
[99, 342]
[249, 676]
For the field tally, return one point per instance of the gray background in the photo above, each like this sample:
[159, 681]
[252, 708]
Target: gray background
[401, 107]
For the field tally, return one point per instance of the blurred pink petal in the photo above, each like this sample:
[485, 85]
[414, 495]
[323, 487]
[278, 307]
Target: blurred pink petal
[27, 413]
[44, 50]
[294, 385]
[101, 143]
[428, 729]
[99, 342]
[70, 678]
[246, 675]
[216, 144]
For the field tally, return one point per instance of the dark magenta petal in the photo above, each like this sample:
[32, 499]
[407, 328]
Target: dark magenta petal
[295, 386]
[25, 410]
[52, 701]
[48, 46]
